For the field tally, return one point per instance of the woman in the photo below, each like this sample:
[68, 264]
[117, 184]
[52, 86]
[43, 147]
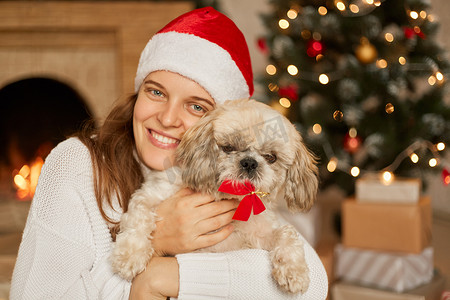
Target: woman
[196, 61]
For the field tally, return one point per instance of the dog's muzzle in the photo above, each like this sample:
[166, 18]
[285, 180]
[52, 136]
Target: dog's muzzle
[249, 165]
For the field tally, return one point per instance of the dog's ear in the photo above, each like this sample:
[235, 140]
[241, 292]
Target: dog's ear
[302, 179]
[197, 154]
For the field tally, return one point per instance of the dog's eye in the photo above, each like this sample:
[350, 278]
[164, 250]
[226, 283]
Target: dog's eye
[270, 158]
[227, 148]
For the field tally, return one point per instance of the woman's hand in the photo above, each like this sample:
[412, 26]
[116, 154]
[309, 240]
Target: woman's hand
[158, 281]
[190, 221]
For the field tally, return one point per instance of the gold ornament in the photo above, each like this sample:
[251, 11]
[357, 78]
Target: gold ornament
[338, 115]
[389, 108]
[365, 52]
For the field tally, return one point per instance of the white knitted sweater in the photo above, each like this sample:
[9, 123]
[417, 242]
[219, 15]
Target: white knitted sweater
[66, 244]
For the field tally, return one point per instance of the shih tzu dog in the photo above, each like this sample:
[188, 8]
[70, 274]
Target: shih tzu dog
[246, 149]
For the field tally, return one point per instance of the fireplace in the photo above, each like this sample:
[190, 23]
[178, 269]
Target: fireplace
[35, 115]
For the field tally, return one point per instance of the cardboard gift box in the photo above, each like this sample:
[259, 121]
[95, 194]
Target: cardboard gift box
[384, 270]
[401, 190]
[387, 226]
[430, 291]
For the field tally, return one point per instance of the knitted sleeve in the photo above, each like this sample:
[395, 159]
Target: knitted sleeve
[244, 274]
[66, 242]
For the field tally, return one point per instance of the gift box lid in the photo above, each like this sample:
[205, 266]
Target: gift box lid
[398, 190]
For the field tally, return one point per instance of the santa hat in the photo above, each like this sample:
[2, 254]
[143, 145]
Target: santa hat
[205, 46]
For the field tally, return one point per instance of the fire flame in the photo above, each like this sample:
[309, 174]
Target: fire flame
[26, 179]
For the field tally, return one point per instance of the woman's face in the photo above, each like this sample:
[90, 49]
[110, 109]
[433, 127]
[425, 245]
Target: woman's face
[168, 104]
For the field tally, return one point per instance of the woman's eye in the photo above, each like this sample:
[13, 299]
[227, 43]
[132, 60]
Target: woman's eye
[270, 158]
[197, 108]
[155, 92]
[227, 148]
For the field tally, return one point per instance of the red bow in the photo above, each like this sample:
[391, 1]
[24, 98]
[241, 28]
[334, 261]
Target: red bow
[251, 200]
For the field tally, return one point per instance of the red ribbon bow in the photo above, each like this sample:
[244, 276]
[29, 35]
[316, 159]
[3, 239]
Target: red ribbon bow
[251, 200]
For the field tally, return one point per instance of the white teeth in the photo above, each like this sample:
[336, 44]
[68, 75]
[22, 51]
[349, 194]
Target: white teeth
[164, 139]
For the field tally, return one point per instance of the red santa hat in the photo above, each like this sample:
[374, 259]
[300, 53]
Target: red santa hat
[205, 46]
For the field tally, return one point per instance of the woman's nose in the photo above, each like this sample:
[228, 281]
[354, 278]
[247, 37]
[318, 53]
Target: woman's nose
[170, 115]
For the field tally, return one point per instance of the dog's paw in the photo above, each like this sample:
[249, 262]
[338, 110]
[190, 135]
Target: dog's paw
[129, 261]
[292, 277]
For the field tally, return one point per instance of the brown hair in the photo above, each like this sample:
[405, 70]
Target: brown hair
[116, 170]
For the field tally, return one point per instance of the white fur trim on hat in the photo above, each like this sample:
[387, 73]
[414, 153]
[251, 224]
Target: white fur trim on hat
[195, 58]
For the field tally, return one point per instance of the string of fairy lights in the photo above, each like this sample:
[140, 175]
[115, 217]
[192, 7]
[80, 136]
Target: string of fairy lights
[411, 152]
[366, 54]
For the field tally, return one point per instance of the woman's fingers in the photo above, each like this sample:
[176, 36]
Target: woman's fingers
[218, 227]
[214, 208]
[212, 238]
[214, 223]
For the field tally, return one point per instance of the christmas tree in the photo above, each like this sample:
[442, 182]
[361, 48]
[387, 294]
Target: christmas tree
[364, 81]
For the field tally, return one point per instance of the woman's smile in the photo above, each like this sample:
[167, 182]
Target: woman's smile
[162, 141]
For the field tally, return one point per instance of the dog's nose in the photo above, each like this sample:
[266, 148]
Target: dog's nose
[249, 164]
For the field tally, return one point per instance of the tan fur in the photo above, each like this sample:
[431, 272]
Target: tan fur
[254, 130]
